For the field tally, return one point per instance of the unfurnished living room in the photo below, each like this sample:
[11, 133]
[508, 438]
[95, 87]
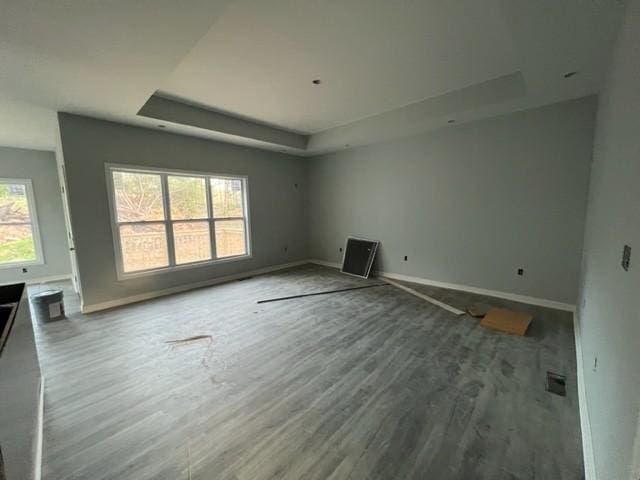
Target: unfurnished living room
[304, 239]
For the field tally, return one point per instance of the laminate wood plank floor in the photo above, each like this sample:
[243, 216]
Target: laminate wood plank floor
[367, 384]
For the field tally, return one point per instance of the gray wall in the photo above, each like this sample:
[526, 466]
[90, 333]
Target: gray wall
[467, 204]
[41, 168]
[610, 308]
[276, 205]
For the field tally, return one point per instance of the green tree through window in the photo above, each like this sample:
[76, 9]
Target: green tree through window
[18, 231]
[165, 219]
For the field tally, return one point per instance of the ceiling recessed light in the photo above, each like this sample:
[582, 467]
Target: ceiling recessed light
[569, 74]
[162, 126]
[317, 81]
[451, 121]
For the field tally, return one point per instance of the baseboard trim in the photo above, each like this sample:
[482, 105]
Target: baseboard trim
[541, 302]
[37, 469]
[52, 278]
[183, 288]
[449, 308]
[33, 281]
[324, 263]
[585, 422]
[395, 276]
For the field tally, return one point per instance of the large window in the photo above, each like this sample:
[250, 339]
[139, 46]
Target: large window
[164, 220]
[19, 238]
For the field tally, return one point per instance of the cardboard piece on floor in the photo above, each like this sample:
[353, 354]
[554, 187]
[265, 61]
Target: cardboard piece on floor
[507, 321]
[479, 310]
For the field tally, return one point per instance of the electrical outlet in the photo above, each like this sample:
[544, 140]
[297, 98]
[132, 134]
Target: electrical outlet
[521, 271]
[285, 249]
[24, 270]
[340, 249]
[405, 258]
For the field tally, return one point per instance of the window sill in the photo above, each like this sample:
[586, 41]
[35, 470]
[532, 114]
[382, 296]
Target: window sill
[186, 266]
[33, 263]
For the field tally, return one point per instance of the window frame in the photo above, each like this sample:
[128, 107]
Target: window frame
[168, 222]
[35, 224]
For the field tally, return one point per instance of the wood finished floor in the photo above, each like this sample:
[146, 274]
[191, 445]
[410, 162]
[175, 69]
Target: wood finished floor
[368, 384]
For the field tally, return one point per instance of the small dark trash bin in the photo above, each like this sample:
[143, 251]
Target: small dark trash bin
[48, 305]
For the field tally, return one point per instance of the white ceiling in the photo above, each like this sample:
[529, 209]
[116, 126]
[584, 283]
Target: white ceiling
[256, 59]
[100, 58]
[371, 56]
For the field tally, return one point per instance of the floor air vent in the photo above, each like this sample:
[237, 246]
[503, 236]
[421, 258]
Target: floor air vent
[556, 384]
